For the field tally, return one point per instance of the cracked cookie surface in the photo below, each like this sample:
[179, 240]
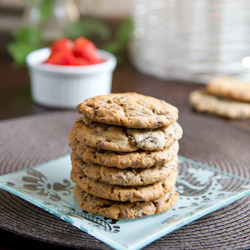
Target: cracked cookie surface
[204, 102]
[126, 210]
[127, 177]
[138, 159]
[122, 139]
[122, 193]
[131, 110]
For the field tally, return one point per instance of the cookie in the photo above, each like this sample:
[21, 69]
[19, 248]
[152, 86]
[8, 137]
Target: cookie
[231, 88]
[127, 177]
[118, 210]
[136, 159]
[122, 193]
[131, 110]
[122, 139]
[201, 101]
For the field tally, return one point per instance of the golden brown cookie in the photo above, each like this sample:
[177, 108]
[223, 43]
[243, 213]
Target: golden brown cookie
[123, 177]
[231, 88]
[124, 210]
[131, 110]
[122, 139]
[122, 193]
[136, 159]
[201, 101]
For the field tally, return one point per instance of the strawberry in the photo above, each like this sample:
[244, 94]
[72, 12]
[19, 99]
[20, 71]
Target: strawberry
[85, 48]
[61, 58]
[62, 45]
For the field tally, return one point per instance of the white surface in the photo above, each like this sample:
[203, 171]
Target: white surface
[67, 86]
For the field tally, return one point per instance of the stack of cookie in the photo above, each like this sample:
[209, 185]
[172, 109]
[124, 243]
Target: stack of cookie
[224, 96]
[124, 155]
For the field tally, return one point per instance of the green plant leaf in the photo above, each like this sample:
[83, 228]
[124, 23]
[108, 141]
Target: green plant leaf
[112, 47]
[26, 39]
[121, 38]
[19, 50]
[124, 33]
[87, 28]
[31, 1]
[28, 34]
[45, 8]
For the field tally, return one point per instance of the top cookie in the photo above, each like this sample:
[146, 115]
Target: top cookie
[131, 110]
[227, 87]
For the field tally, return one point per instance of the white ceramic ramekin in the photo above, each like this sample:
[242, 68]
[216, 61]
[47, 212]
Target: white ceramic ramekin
[67, 86]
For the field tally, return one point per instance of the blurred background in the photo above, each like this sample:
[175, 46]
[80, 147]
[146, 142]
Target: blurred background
[173, 39]
[27, 25]
[53, 19]
[187, 41]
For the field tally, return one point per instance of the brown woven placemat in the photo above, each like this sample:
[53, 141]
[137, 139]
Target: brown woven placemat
[32, 140]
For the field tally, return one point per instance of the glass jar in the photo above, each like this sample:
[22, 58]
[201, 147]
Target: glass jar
[63, 13]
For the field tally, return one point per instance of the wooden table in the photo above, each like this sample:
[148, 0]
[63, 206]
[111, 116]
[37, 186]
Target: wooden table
[15, 101]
